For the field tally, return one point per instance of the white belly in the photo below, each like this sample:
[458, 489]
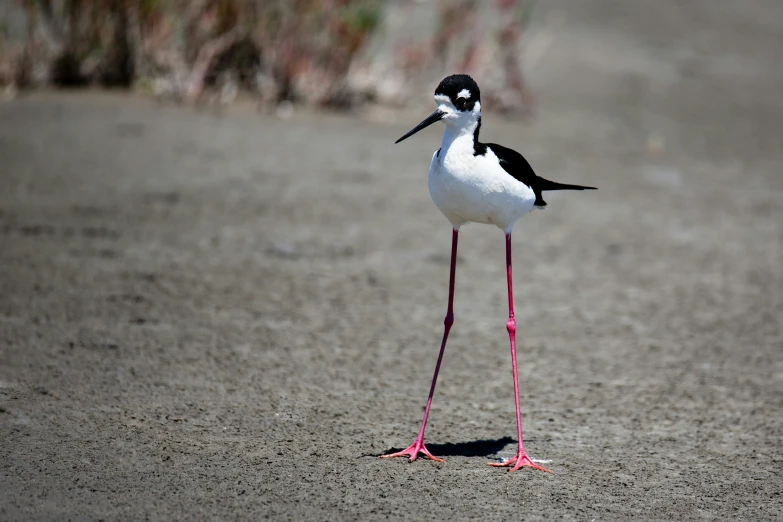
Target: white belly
[476, 189]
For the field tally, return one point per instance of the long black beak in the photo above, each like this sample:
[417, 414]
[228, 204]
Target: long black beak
[432, 118]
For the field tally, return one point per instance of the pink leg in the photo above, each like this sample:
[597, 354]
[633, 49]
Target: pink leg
[417, 447]
[521, 459]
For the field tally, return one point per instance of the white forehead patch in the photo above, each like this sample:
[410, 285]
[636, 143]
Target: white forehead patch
[464, 93]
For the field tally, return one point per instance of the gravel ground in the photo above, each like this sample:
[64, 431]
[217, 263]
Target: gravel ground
[218, 317]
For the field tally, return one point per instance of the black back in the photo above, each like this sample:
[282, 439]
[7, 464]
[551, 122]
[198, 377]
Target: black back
[517, 166]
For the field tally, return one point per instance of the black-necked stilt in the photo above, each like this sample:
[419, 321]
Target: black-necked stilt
[477, 182]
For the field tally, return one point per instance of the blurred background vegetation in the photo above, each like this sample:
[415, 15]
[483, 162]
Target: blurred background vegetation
[328, 53]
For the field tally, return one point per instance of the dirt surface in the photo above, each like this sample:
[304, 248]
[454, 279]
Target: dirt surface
[229, 317]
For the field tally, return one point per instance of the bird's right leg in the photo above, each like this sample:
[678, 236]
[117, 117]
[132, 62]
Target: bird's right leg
[417, 447]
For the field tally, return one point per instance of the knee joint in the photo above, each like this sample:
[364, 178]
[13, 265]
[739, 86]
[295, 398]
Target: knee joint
[511, 325]
[449, 319]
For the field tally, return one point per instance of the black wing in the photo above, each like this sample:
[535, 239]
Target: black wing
[517, 166]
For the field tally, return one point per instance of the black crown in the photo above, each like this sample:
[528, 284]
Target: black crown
[454, 84]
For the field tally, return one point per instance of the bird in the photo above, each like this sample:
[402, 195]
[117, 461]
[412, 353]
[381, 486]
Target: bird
[474, 182]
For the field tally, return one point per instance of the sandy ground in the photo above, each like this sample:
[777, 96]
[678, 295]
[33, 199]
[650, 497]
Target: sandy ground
[229, 317]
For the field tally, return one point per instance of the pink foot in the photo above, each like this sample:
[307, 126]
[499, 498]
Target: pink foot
[413, 452]
[520, 461]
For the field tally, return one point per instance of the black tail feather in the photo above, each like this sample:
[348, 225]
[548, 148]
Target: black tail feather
[545, 184]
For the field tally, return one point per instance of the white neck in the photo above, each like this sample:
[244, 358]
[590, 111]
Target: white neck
[458, 138]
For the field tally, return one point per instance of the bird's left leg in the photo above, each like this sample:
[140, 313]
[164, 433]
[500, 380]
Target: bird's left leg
[521, 459]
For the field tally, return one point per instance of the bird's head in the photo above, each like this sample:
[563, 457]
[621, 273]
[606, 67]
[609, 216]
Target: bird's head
[459, 104]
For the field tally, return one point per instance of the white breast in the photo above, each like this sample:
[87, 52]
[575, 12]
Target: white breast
[468, 188]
